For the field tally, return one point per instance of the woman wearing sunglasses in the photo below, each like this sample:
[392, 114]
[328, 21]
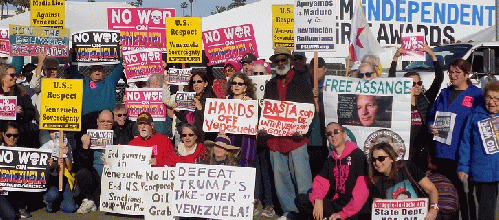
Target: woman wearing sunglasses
[399, 179]
[421, 100]
[191, 148]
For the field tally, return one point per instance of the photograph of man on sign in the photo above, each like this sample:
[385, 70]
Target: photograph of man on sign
[374, 111]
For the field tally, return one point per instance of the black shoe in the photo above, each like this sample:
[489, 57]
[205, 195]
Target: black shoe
[24, 214]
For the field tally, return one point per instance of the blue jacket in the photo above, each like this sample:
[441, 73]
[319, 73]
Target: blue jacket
[462, 111]
[473, 160]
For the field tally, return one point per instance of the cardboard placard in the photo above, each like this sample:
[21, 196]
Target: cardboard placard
[99, 139]
[23, 169]
[179, 76]
[183, 39]
[283, 26]
[315, 25]
[141, 64]
[185, 101]
[60, 107]
[8, 106]
[145, 100]
[29, 41]
[229, 44]
[283, 118]
[96, 47]
[48, 13]
[414, 209]
[234, 116]
[158, 193]
[4, 42]
[411, 42]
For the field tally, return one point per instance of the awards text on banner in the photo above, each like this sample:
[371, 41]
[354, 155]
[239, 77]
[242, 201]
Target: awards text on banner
[60, 107]
[48, 13]
[96, 47]
[283, 118]
[283, 26]
[29, 41]
[234, 116]
[315, 25]
[145, 100]
[183, 39]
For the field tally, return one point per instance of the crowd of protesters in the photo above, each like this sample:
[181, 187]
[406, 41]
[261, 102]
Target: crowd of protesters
[321, 174]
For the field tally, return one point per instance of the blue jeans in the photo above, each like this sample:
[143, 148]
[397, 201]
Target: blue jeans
[68, 203]
[292, 176]
[7, 212]
[263, 183]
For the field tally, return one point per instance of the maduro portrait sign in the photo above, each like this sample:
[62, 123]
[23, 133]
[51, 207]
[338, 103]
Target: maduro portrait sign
[30, 41]
[60, 107]
[233, 116]
[184, 39]
[229, 44]
[145, 100]
[413, 209]
[140, 27]
[283, 118]
[46, 13]
[94, 47]
[140, 64]
[8, 106]
[23, 169]
[377, 110]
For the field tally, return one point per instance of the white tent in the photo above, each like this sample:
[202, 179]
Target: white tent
[487, 34]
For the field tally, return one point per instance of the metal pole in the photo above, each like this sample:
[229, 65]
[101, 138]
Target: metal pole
[191, 6]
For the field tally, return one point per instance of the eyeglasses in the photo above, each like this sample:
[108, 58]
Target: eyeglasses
[490, 98]
[121, 115]
[258, 73]
[105, 122]
[185, 135]
[197, 81]
[361, 75]
[284, 60]
[420, 83]
[52, 68]
[12, 135]
[238, 83]
[335, 131]
[379, 158]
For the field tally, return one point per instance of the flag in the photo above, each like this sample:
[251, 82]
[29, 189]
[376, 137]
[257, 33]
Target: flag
[362, 41]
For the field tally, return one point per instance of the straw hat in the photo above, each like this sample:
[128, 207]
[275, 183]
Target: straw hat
[221, 141]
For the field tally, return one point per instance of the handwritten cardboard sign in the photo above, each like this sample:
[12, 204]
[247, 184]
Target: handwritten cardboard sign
[231, 115]
[221, 192]
[411, 42]
[48, 13]
[60, 107]
[414, 209]
[229, 44]
[259, 83]
[93, 47]
[23, 169]
[179, 76]
[158, 193]
[282, 118]
[145, 100]
[8, 106]
[185, 101]
[315, 26]
[184, 39]
[4, 42]
[283, 26]
[29, 41]
[140, 64]
[122, 177]
[140, 27]
[99, 139]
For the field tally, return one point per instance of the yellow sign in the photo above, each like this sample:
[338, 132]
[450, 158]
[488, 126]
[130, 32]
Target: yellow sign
[48, 13]
[183, 39]
[283, 26]
[60, 107]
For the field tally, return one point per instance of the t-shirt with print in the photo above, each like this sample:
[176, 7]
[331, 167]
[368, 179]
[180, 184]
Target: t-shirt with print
[401, 187]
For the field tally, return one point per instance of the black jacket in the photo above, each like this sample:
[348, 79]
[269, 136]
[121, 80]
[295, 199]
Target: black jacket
[23, 119]
[299, 90]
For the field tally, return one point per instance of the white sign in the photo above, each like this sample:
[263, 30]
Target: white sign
[234, 116]
[158, 193]
[283, 118]
[413, 209]
[488, 132]
[315, 25]
[259, 82]
[179, 76]
[444, 123]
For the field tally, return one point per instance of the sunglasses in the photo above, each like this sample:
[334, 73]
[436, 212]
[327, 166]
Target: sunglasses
[361, 75]
[420, 83]
[238, 83]
[197, 81]
[284, 60]
[121, 115]
[54, 68]
[335, 131]
[10, 135]
[379, 158]
[185, 135]
[258, 73]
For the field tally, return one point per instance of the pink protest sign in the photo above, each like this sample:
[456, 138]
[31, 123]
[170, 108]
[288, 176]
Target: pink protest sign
[4, 42]
[8, 107]
[281, 118]
[229, 44]
[145, 100]
[140, 64]
[411, 42]
[140, 27]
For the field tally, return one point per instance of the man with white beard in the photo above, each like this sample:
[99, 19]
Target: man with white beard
[288, 155]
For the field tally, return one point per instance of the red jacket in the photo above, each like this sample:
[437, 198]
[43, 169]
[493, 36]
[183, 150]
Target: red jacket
[174, 158]
[160, 144]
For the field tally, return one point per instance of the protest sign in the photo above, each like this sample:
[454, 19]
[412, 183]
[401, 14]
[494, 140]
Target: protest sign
[489, 129]
[60, 107]
[140, 64]
[140, 27]
[183, 39]
[219, 192]
[54, 148]
[234, 116]
[8, 106]
[185, 101]
[179, 76]
[377, 110]
[99, 139]
[4, 42]
[283, 118]
[259, 83]
[96, 47]
[122, 177]
[229, 44]
[413, 209]
[444, 123]
[23, 169]
[145, 100]
[48, 13]
[411, 42]
[30, 41]
[315, 25]
[283, 26]
[158, 193]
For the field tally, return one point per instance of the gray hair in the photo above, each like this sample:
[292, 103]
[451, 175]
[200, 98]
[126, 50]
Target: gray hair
[155, 77]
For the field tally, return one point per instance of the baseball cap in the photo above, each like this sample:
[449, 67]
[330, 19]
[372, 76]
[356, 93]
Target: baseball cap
[144, 118]
[248, 58]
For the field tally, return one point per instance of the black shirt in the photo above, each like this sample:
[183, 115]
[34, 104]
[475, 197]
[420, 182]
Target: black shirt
[401, 187]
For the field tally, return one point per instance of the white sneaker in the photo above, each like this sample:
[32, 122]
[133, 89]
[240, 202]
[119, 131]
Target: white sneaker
[86, 206]
[286, 216]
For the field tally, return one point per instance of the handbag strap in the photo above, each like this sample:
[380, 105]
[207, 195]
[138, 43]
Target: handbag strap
[415, 183]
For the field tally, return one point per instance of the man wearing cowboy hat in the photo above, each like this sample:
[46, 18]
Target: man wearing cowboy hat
[288, 86]
[221, 152]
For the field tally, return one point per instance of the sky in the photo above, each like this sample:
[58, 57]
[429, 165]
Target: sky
[200, 8]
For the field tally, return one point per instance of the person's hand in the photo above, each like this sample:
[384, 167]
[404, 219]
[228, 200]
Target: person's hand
[433, 129]
[166, 79]
[50, 160]
[41, 57]
[432, 215]
[153, 162]
[400, 51]
[85, 141]
[316, 92]
[19, 109]
[245, 98]
[318, 209]
[60, 161]
[335, 216]
[427, 49]
[297, 136]
[221, 131]
[197, 104]
[462, 176]
[64, 150]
